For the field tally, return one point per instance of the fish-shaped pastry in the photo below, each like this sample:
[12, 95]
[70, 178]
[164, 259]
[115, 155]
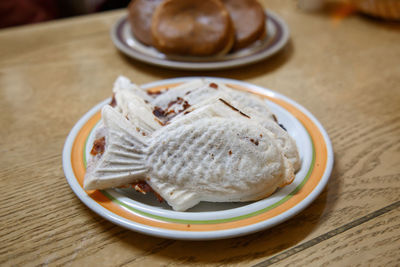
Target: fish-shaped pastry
[195, 93]
[198, 90]
[214, 153]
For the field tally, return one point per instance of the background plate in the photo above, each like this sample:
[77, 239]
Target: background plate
[208, 220]
[277, 37]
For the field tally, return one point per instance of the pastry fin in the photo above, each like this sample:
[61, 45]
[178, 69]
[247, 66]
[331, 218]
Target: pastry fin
[178, 199]
[124, 85]
[124, 157]
[135, 108]
[288, 172]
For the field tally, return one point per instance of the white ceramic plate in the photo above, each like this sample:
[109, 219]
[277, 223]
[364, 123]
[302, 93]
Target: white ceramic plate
[277, 37]
[143, 213]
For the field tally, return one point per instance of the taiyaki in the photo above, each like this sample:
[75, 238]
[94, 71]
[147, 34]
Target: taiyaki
[213, 153]
[196, 93]
[197, 90]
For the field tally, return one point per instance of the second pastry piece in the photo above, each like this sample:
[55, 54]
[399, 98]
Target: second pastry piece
[248, 19]
[140, 13]
[194, 28]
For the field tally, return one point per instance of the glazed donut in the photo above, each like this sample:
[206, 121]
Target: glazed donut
[140, 13]
[192, 28]
[248, 19]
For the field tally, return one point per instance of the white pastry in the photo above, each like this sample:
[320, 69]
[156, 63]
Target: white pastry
[215, 153]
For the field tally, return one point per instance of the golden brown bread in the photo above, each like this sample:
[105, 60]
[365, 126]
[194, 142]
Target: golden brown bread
[248, 18]
[195, 28]
[140, 13]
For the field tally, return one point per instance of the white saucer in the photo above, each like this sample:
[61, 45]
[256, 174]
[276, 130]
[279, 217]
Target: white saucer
[277, 37]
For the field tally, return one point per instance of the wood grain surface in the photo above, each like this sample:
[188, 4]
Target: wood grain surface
[346, 72]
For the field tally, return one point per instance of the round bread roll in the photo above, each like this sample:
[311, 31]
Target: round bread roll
[140, 13]
[192, 28]
[248, 19]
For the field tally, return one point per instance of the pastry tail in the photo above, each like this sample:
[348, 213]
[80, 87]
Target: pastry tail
[124, 156]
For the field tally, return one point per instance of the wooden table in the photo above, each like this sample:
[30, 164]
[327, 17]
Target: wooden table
[347, 73]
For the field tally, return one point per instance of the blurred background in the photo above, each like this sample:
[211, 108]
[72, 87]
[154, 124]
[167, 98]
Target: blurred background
[20, 12]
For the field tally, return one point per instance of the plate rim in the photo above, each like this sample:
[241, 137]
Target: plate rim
[196, 66]
[196, 235]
